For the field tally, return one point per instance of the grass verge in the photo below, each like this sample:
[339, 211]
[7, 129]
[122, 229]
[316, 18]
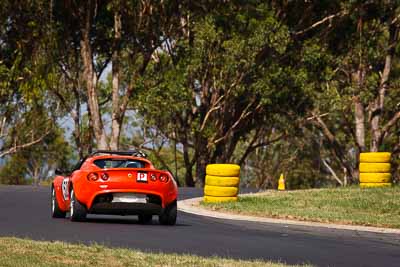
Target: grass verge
[16, 252]
[370, 206]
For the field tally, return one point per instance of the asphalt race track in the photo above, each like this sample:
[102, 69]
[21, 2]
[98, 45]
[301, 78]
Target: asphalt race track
[25, 212]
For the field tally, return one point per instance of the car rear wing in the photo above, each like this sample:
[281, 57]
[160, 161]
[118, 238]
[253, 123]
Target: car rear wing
[135, 153]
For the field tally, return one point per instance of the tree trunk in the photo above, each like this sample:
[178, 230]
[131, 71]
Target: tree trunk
[375, 131]
[117, 115]
[35, 176]
[90, 78]
[379, 102]
[233, 141]
[201, 163]
[202, 157]
[224, 150]
[76, 115]
[188, 166]
[360, 123]
[77, 132]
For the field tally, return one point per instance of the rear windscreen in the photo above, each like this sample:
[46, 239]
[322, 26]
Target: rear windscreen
[119, 163]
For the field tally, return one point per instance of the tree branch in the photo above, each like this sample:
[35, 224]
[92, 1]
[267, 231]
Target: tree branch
[253, 146]
[3, 126]
[315, 116]
[332, 172]
[245, 113]
[336, 147]
[390, 123]
[316, 24]
[16, 147]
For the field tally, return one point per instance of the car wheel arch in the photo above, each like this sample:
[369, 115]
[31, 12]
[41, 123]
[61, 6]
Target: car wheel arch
[71, 187]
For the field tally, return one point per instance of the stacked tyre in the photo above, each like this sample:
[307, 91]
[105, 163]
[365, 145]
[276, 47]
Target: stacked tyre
[222, 182]
[375, 169]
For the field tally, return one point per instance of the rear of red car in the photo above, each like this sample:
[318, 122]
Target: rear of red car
[123, 185]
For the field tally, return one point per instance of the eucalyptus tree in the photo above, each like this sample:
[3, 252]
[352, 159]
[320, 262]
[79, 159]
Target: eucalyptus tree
[23, 71]
[223, 82]
[35, 161]
[356, 108]
[123, 33]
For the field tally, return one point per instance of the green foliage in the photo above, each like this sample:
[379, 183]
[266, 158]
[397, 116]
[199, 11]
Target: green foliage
[231, 68]
[219, 78]
[33, 163]
[14, 171]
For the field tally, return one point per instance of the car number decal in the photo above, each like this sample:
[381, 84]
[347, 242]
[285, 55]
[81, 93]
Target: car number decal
[141, 177]
[65, 188]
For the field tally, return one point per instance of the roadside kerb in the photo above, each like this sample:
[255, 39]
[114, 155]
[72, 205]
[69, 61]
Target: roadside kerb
[192, 206]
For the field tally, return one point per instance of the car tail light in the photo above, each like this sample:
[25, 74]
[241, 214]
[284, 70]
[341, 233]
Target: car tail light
[153, 177]
[104, 176]
[93, 176]
[163, 178]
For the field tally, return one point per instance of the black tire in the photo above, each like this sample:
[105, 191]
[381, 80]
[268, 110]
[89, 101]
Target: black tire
[145, 218]
[168, 216]
[56, 212]
[77, 210]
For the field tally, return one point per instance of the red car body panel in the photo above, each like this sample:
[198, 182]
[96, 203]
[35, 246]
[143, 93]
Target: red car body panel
[57, 183]
[121, 180]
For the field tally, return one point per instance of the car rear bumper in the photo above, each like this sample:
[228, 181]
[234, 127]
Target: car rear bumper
[126, 204]
[118, 208]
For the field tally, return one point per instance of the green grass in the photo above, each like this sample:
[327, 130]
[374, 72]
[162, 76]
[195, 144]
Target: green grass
[371, 207]
[21, 252]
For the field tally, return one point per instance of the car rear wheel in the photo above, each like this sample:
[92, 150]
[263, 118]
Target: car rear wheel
[145, 218]
[77, 210]
[168, 216]
[56, 212]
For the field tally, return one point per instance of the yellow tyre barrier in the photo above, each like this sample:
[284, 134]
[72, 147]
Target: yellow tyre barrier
[228, 170]
[222, 181]
[220, 191]
[366, 185]
[219, 199]
[375, 178]
[374, 167]
[375, 157]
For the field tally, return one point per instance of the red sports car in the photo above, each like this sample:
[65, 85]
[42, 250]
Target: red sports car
[116, 183]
